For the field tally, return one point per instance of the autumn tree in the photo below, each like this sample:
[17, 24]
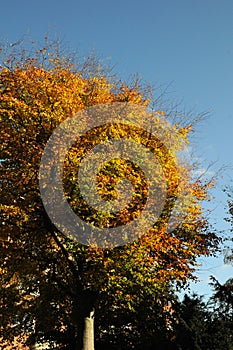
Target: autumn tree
[50, 282]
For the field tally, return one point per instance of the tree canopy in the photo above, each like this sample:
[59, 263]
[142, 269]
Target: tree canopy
[49, 281]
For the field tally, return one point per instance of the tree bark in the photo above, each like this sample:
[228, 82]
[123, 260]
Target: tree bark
[83, 317]
[88, 333]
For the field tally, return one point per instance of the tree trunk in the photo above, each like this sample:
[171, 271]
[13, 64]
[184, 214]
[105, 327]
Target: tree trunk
[88, 333]
[83, 317]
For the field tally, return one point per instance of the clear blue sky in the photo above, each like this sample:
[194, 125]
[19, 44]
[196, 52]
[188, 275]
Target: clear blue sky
[186, 42]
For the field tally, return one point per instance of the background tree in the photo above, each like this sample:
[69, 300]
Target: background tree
[228, 258]
[49, 282]
[191, 328]
[200, 324]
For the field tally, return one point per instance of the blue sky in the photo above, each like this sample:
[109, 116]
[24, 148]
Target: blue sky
[188, 43]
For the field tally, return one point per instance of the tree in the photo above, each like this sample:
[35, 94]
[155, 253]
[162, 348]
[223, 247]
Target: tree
[191, 330]
[222, 320]
[202, 325]
[223, 297]
[51, 283]
[228, 258]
